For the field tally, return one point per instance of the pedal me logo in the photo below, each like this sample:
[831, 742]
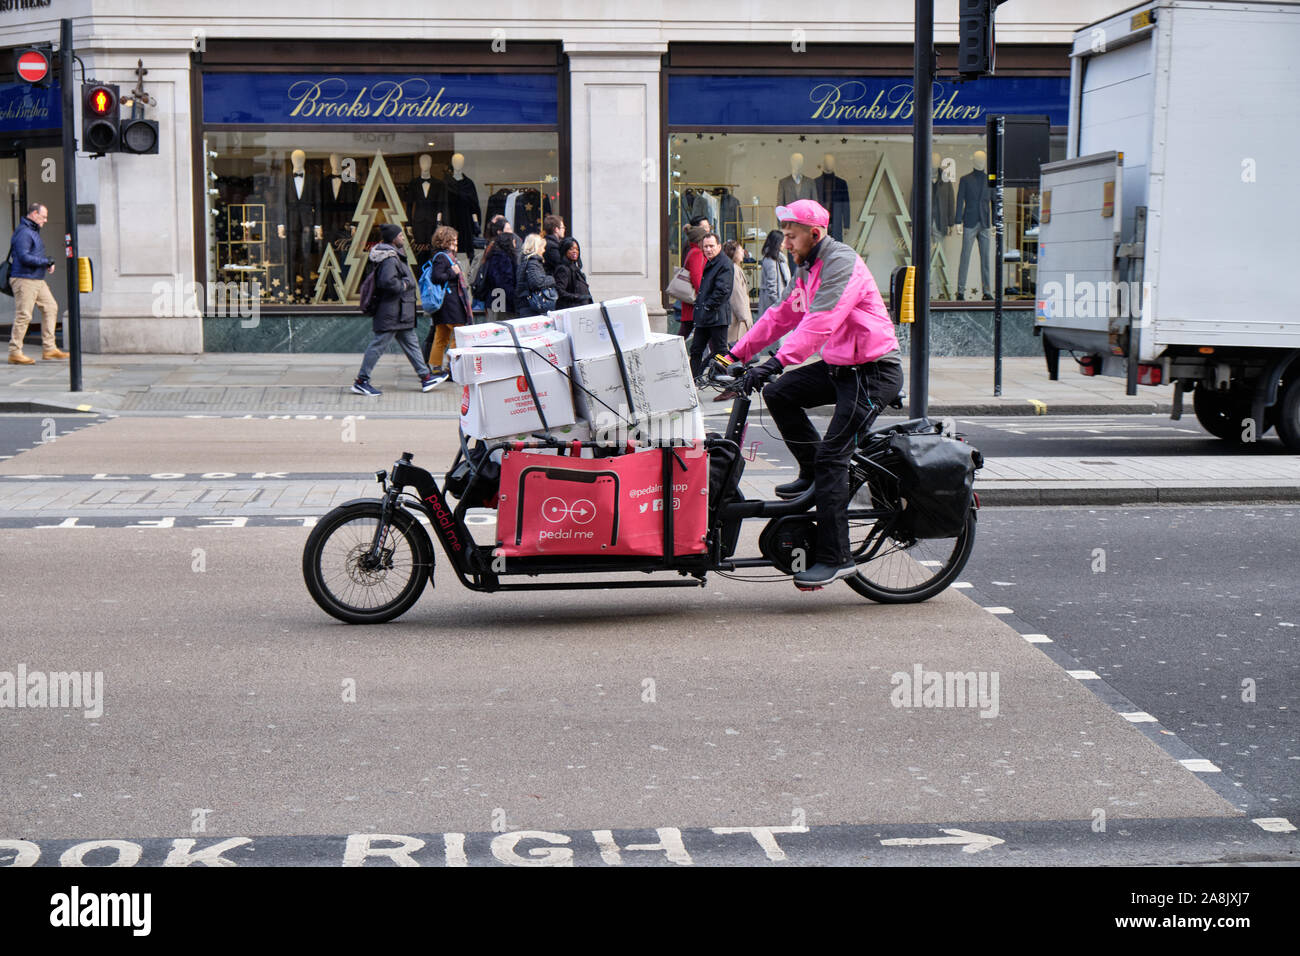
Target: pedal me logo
[74, 908]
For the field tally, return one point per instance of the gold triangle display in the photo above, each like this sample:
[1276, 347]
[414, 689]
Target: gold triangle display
[378, 180]
[902, 219]
[330, 276]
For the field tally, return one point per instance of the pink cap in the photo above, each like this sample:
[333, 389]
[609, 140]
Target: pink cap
[806, 211]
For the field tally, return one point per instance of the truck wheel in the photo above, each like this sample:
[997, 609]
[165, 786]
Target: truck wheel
[1221, 413]
[1287, 414]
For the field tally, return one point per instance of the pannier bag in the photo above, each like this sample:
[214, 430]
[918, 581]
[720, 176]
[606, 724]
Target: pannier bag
[590, 506]
[936, 477]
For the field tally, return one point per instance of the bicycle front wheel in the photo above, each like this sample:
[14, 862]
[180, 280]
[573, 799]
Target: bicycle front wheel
[900, 570]
[345, 582]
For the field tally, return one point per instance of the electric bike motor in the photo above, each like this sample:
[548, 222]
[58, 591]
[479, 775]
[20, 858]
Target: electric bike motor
[790, 542]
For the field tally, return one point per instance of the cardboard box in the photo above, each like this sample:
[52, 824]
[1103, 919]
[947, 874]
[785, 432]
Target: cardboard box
[687, 425]
[658, 377]
[488, 363]
[588, 334]
[495, 333]
[505, 406]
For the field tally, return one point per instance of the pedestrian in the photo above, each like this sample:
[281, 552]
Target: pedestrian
[495, 283]
[741, 319]
[570, 282]
[456, 308]
[395, 316]
[28, 267]
[534, 289]
[553, 230]
[694, 264]
[774, 272]
[712, 304]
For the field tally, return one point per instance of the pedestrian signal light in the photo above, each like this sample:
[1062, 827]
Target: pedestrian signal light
[906, 304]
[85, 274]
[100, 119]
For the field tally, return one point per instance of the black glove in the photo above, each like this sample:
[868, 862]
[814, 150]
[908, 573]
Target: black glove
[758, 376]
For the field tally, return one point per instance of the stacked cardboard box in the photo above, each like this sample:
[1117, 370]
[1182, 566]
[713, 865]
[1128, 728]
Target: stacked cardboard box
[628, 384]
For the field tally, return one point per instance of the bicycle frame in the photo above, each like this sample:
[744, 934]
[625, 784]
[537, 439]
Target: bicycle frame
[480, 570]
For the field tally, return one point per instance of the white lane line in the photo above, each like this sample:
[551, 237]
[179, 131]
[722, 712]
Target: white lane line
[1084, 675]
[1037, 638]
[1200, 765]
[930, 564]
[1274, 824]
[963, 584]
[999, 610]
[1138, 717]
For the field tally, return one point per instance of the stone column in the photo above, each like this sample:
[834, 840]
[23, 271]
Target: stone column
[615, 184]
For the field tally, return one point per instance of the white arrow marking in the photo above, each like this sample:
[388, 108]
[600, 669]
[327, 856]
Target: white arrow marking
[969, 842]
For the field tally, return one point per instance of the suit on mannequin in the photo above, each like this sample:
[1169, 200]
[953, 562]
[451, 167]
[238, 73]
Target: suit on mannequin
[339, 201]
[426, 203]
[796, 185]
[974, 215]
[833, 194]
[299, 220]
[463, 206]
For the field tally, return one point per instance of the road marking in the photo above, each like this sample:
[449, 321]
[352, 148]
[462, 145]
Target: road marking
[1200, 765]
[1274, 824]
[930, 564]
[963, 584]
[1037, 638]
[999, 610]
[84, 408]
[969, 842]
[66, 523]
[1084, 675]
[1040, 408]
[1138, 717]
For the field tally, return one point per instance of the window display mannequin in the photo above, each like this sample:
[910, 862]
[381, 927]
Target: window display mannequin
[796, 185]
[339, 199]
[426, 205]
[463, 208]
[833, 194]
[943, 201]
[299, 220]
[974, 221]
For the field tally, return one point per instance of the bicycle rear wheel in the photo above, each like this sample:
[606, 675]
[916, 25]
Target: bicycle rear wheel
[901, 570]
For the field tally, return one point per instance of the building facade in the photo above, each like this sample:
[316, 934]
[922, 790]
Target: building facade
[289, 133]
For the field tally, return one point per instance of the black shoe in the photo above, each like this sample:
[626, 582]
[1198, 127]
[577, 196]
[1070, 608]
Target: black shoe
[820, 575]
[793, 489]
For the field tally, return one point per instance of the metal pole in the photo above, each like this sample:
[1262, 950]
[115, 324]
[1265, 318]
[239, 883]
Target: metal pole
[998, 213]
[72, 330]
[922, 130]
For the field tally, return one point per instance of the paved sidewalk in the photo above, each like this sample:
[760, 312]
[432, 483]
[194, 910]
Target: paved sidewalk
[223, 383]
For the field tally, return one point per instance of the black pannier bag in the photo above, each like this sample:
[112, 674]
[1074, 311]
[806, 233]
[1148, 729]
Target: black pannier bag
[936, 478]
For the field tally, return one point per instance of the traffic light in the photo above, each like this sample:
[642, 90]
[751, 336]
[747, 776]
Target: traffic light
[101, 118]
[139, 135]
[975, 38]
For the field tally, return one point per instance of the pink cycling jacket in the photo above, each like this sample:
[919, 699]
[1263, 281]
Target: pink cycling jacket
[833, 306]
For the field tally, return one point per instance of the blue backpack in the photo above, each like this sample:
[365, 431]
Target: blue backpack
[432, 293]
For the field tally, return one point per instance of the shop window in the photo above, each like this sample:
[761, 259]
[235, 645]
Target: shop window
[737, 180]
[296, 212]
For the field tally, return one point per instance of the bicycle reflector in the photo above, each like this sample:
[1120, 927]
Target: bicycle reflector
[100, 118]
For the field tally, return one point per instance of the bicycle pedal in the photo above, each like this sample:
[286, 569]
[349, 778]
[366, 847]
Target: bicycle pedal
[815, 587]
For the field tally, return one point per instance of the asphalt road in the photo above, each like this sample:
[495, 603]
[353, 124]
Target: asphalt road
[1190, 613]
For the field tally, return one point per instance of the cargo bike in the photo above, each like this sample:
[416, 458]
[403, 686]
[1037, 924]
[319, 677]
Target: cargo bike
[912, 517]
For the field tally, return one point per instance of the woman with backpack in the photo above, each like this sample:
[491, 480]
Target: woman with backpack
[444, 273]
[392, 305]
[534, 289]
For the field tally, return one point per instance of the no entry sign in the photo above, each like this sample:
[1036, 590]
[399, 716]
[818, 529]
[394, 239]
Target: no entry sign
[33, 66]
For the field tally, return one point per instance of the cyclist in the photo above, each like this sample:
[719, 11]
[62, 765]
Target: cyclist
[831, 306]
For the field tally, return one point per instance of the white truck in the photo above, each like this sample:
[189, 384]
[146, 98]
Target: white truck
[1169, 238]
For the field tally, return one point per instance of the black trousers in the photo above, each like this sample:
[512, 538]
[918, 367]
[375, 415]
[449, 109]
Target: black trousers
[858, 392]
[707, 341]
